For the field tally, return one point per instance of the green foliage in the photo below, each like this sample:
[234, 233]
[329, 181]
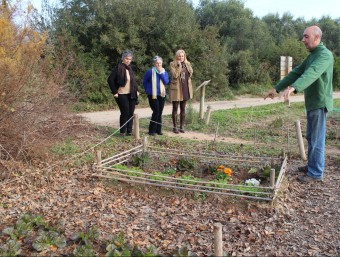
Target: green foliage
[84, 250]
[185, 164]
[140, 160]
[47, 239]
[336, 78]
[182, 252]
[189, 179]
[85, 242]
[89, 37]
[191, 114]
[132, 171]
[65, 148]
[24, 226]
[157, 175]
[10, 248]
[118, 247]
[250, 190]
[170, 171]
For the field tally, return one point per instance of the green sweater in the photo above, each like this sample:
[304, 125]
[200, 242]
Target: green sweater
[314, 76]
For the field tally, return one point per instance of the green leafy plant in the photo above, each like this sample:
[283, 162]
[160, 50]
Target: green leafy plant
[156, 176]
[47, 239]
[84, 250]
[25, 225]
[189, 179]
[223, 173]
[132, 171]
[140, 160]
[66, 148]
[183, 252]
[185, 164]
[119, 247]
[170, 171]
[85, 242]
[10, 248]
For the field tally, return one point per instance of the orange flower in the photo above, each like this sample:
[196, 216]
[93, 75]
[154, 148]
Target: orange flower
[228, 171]
[220, 168]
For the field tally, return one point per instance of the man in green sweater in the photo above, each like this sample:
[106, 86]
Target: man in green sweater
[314, 77]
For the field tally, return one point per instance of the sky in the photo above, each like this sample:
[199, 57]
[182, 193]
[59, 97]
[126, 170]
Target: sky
[306, 9]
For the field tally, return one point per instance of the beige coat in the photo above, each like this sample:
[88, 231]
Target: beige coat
[175, 85]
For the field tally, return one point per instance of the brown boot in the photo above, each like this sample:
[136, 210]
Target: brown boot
[174, 122]
[182, 121]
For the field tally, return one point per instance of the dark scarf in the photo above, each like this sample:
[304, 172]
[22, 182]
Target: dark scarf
[121, 78]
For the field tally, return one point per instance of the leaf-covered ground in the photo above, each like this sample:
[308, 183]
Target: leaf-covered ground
[304, 221]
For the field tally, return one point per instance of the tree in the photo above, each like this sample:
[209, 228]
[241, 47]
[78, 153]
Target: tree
[27, 89]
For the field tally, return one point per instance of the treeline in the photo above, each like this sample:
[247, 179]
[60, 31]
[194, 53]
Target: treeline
[224, 41]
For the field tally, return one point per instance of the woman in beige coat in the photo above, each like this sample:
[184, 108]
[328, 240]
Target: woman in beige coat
[180, 88]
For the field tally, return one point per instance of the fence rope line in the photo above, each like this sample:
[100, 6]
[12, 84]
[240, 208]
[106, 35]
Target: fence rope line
[91, 148]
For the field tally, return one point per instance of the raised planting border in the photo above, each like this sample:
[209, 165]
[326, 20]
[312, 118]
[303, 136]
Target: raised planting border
[104, 168]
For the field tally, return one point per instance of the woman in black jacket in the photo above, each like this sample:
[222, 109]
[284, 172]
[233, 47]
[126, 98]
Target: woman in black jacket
[124, 89]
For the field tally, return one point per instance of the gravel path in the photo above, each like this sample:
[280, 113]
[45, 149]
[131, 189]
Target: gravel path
[111, 118]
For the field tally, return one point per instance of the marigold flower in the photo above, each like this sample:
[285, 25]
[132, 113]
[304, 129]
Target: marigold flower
[228, 171]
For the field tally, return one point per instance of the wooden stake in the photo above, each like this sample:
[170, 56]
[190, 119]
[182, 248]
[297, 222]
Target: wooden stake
[99, 159]
[202, 87]
[272, 178]
[136, 126]
[218, 244]
[207, 118]
[145, 144]
[300, 140]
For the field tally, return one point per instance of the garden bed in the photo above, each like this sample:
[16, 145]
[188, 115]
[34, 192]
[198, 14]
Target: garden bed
[208, 172]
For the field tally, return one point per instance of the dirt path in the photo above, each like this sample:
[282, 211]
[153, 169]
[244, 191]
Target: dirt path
[111, 118]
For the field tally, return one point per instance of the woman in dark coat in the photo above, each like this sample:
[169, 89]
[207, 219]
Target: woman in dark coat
[124, 89]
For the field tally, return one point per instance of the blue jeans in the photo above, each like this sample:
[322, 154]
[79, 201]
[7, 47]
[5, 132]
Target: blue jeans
[316, 137]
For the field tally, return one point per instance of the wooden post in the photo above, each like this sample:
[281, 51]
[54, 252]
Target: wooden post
[136, 126]
[99, 159]
[272, 178]
[286, 63]
[202, 87]
[218, 244]
[300, 140]
[216, 132]
[202, 102]
[207, 118]
[145, 144]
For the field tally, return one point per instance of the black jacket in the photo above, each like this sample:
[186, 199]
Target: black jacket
[117, 79]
